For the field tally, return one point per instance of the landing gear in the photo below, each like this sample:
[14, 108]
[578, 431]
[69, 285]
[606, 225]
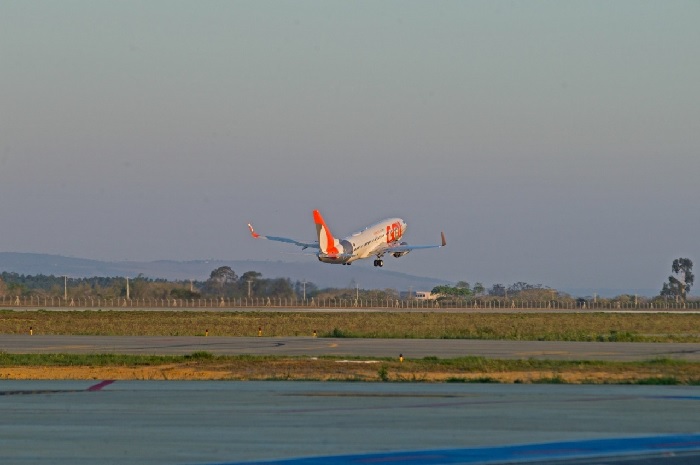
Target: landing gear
[379, 262]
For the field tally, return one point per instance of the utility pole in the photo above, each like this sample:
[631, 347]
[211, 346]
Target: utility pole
[127, 288]
[65, 287]
[304, 283]
[249, 282]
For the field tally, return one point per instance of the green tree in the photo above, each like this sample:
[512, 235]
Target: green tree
[220, 280]
[679, 287]
[305, 288]
[497, 290]
[180, 293]
[522, 286]
[250, 276]
[223, 275]
[450, 291]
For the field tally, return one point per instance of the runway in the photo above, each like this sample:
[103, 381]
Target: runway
[309, 346]
[170, 422]
[301, 423]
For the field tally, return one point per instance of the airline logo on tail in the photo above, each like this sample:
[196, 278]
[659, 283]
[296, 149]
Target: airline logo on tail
[327, 243]
[373, 241]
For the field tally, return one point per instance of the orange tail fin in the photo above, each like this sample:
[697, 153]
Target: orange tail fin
[327, 243]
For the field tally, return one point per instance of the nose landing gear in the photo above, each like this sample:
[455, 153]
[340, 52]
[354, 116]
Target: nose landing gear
[379, 262]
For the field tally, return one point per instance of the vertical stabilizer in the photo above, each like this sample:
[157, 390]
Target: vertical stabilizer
[327, 243]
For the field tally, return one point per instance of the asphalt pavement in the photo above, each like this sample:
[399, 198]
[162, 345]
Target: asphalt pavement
[295, 423]
[410, 348]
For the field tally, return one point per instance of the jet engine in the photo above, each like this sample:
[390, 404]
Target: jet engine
[401, 254]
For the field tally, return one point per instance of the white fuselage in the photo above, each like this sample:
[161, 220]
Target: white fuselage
[368, 242]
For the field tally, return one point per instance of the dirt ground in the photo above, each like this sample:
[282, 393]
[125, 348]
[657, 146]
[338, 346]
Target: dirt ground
[324, 371]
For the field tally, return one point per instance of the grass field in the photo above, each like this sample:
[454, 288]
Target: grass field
[644, 327]
[203, 365]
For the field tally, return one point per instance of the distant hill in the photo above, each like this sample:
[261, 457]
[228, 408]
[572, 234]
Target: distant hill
[320, 274]
[366, 276]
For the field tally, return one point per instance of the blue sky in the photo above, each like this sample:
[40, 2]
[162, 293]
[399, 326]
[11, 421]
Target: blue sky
[553, 142]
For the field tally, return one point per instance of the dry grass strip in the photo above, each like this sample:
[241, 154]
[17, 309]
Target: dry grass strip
[281, 368]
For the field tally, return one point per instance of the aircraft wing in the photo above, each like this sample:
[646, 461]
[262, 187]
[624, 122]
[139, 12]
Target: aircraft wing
[407, 248]
[303, 245]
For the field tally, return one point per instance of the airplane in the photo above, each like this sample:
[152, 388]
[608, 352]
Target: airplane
[374, 241]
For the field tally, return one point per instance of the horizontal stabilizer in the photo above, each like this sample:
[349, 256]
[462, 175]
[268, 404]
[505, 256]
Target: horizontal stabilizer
[303, 245]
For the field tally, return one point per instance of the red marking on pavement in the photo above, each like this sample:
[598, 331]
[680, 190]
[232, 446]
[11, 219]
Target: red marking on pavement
[99, 386]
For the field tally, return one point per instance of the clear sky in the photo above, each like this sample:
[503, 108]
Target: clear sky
[553, 142]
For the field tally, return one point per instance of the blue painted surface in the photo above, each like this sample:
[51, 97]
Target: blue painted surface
[529, 453]
[676, 397]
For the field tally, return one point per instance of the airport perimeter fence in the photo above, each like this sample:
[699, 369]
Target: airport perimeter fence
[270, 303]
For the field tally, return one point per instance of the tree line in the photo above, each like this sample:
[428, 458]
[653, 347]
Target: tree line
[676, 288]
[224, 282]
[519, 290]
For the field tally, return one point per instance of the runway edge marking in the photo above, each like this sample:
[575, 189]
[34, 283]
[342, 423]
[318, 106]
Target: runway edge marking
[527, 453]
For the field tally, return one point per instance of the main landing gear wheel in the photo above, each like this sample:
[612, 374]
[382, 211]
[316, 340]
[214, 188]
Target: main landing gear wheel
[379, 263]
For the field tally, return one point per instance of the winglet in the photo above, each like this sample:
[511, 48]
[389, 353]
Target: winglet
[252, 231]
[444, 242]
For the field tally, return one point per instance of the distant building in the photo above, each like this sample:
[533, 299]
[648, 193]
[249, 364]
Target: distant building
[425, 295]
